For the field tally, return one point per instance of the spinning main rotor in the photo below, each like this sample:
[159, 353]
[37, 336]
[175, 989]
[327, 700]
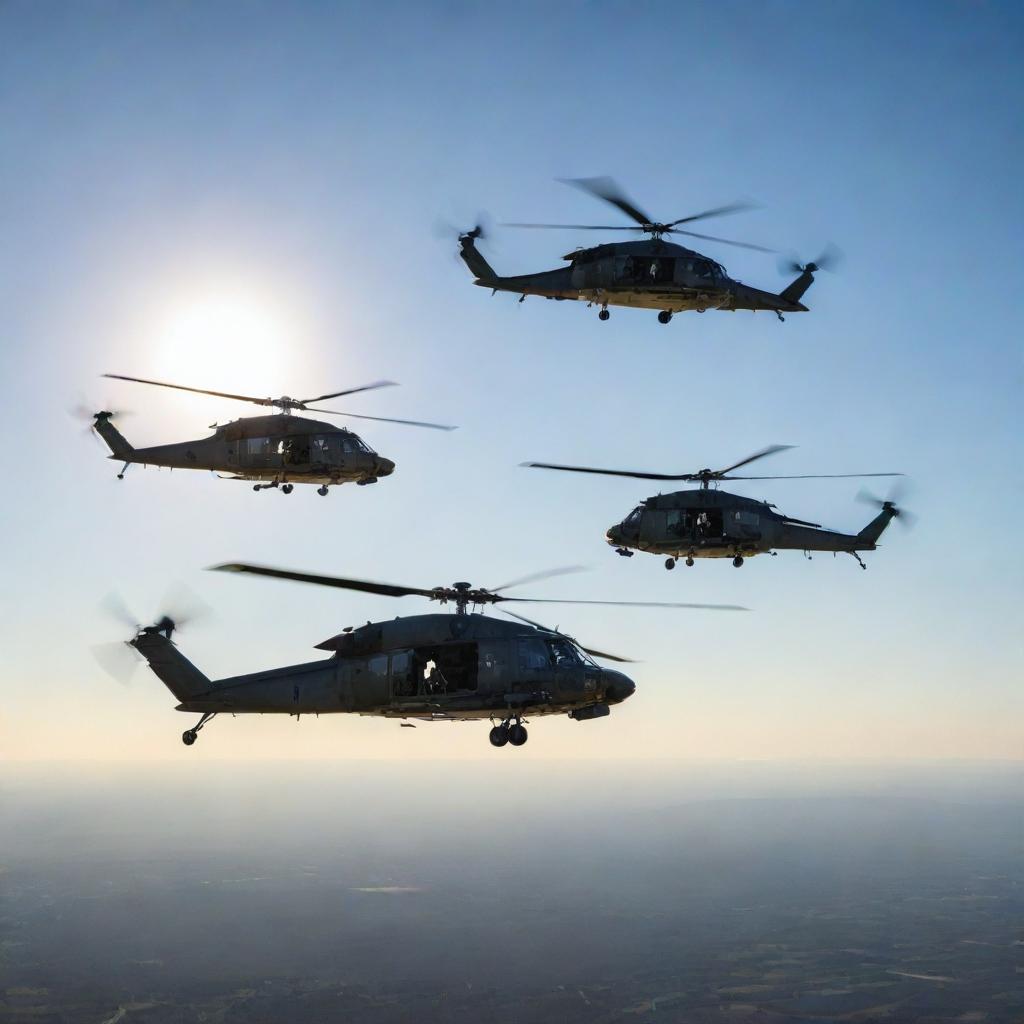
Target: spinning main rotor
[706, 476]
[608, 190]
[465, 595]
[287, 405]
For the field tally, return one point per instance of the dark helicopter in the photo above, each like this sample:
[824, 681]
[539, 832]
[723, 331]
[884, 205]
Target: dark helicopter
[279, 450]
[646, 274]
[710, 523]
[439, 667]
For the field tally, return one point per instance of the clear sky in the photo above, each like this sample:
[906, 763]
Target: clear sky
[242, 197]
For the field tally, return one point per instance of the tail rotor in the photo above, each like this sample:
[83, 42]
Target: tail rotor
[120, 658]
[89, 417]
[891, 503]
[830, 259]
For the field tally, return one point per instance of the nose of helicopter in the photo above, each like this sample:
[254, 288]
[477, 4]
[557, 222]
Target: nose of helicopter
[617, 686]
[385, 467]
[613, 535]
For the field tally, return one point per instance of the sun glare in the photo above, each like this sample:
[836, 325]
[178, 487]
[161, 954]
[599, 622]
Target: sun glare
[226, 339]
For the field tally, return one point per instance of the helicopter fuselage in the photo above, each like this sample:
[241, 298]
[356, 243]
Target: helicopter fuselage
[278, 448]
[646, 274]
[709, 523]
[423, 667]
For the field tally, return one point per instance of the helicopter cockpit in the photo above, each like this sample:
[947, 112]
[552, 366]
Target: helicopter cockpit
[555, 651]
[630, 526]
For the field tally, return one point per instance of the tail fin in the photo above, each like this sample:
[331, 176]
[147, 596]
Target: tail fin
[115, 441]
[478, 266]
[870, 534]
[795, 292]
[176, 672]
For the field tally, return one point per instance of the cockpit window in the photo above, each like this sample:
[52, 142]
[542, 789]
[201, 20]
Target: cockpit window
[352, 445]
[633, 519]
[563, 653]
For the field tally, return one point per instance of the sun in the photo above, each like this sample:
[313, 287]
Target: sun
[227, 339]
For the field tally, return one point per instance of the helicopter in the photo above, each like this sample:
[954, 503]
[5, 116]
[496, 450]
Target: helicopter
[433, 667]
[277, 450]
[709, 523]
[648, 274]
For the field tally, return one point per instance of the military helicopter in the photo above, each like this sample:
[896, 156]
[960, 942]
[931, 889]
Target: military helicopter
[710, 523]
[648, 274]
[439, 667]
[279, 450]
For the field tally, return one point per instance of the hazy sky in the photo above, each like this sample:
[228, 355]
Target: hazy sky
[242, 197]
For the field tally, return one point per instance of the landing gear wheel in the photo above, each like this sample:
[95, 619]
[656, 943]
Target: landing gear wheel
[286, 488]
[517, 735]
[322, 491]
[689, 563]
[189, 736]
[603, 315]
[255, 487]
[499, 736]
[664, 316]
[670, 563]
[738, 561]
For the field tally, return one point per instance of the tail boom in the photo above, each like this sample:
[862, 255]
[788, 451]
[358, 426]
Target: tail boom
[115, 441]
[170, 666]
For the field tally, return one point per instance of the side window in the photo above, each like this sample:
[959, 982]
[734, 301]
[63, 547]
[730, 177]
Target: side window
[403, 684]
[533, 655]
[377, 666]
[256, 445]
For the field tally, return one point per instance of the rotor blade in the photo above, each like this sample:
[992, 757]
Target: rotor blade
[575, 227]
[631, 604]
[905, 518]
[197, 391]
[830, 258]
[611, 192]
[590, 650]
[718, 211]
[724, 241]
[183, 605]
[610, 472]
[118, 659]
[534, 577]
[352, 391]
[382, 419]
[367, 586]
[809, 476]
[114, 606]
[762, 454]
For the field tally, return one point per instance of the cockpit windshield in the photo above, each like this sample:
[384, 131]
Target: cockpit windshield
[633, 519]
[565, 654]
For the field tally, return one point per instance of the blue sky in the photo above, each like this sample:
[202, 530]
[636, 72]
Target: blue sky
[243, 196]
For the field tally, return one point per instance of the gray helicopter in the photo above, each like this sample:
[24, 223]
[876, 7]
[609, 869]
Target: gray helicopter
[709, 523]
[439, 667]
[277, 451]
[647, 274]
